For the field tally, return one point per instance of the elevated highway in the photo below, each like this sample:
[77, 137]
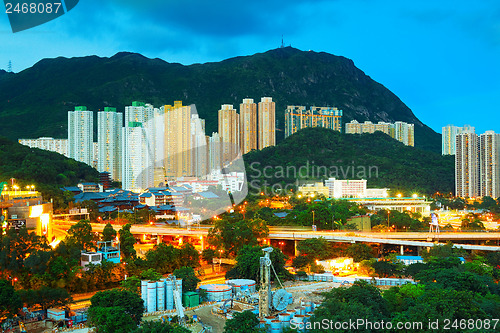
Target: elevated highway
[418, 239]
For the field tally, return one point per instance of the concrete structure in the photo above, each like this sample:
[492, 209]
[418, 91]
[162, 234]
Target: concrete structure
[199, 142]
[401, 131]
[229, 130]
[362, 222]
[59, 146]
[109, 140]
[467, 165]
[248, 125]
[414, 205]
[297, 118]
[81, 135]
[267, 123]
[27, 208]
[240, 285]
[138, 158]
[345, 188]
[217, 292]
[314, 190]
[489, 164]
[215, 152]
[449, 134]
[178, 140]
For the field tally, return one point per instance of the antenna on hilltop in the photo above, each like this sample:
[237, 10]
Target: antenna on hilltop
[282, 43]
[9, 66]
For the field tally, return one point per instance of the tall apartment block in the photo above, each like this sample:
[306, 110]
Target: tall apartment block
[199, 147]
[177, 140]
[267, 123]
[56, 145]
[248, 125]
[401, 131]
[489, 164]
[138, 142]
[449, 134]
[81, 134]
[109, 140]
[215, 152]
[467, 165]
[297, 118]
[229, 131]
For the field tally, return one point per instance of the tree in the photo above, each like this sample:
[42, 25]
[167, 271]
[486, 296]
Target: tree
[10, 302]
[248, 264]
[301, 261]
[132, 284]
[80, 235]
[314, 248]
[189, 279]
[385, 268]
[108, 233]
[122, 302]
[127, 242]
[112, 319]
[208, 255]
[360, 251]
[151, 275]
[188, 256]
[159, 327]
[242, 322]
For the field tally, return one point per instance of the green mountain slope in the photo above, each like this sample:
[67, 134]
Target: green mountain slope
[35, 101]
[47, 170]
[318, 153]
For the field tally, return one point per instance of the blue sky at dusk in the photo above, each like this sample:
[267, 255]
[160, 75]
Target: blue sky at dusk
[442, 58]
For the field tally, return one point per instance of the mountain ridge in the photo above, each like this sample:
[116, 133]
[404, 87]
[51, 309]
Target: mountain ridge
[43, 93]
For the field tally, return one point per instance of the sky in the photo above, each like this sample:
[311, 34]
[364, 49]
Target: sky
[441, 58]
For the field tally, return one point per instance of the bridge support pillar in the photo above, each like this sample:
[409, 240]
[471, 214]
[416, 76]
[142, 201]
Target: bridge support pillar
[158, 239]
[296, 251]
[402, 250]
[202, 242]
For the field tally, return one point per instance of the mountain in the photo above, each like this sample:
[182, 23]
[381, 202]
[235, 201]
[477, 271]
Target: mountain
[47, 170]
[35, 102]
[317, 154]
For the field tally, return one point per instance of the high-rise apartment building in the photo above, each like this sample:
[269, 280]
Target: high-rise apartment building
[81, 134]
[297, 118]
[401, 131]
[199, 147]
[248, 125]
[56, 145]
[229, 131]
[178, 140]
[467, 165]
[489, 164]
[215, 152]
[267, 123]
[449, 134]
[109, 140]
[138, 159]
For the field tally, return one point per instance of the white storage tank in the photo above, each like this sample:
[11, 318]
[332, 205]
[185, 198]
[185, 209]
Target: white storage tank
[169, 294]
[275, 326]
[160, 295]
[151, 296]
[179, 286]
[144, 293]
[217, 292]
[238, 284]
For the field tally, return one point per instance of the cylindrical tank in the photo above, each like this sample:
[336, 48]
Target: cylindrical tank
[239, 284]
[300, 310]
[275, 326]
[160, 295]
[262, 324]
[169, 295]
[285, 319]
[151, 296]
[269, 319]
[144, 292]
[179, 286]
[217, 292]
[308, 306]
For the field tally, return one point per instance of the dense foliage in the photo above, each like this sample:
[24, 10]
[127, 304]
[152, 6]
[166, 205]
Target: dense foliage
[46, 170]
[315, 154]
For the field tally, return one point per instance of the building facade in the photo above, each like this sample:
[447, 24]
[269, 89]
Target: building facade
[248, 125]
[229, 131]
[178, 138]
[267, 123]
[81, 135]
[59, 146]
[401, 131]
[449, 134]
[297, 118]
[489, 164]
[109, 140]
[467, 165]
